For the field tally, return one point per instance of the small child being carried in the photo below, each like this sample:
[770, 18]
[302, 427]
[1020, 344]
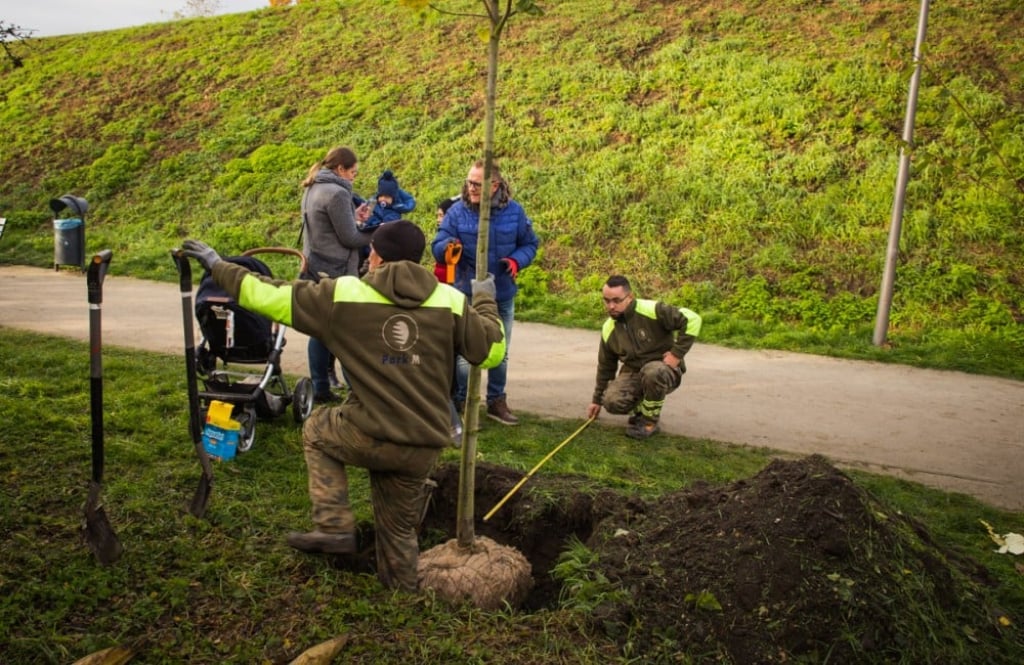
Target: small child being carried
[390, 202]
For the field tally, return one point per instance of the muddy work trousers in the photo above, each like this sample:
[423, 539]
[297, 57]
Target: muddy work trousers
[641, 392]
[397, 477]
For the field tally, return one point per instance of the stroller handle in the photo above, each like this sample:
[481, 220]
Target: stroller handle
[279, 250]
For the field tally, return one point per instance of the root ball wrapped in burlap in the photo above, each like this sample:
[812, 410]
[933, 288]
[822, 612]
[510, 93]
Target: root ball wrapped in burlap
[488, 575]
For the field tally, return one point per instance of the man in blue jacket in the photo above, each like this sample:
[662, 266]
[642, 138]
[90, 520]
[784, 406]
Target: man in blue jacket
[511, 247]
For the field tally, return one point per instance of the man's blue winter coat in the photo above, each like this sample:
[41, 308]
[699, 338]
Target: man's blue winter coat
[511, 236]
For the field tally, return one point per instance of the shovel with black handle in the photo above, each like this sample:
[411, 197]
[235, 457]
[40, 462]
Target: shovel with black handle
[99, 535]
[195, 427]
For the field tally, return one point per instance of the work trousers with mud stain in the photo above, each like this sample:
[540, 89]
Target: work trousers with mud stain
[397, 475]
[641, 392]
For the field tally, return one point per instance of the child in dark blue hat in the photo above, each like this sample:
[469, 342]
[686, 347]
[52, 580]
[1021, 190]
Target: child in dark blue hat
[390, 202]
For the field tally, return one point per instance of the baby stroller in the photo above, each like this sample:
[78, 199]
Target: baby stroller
[233, 341]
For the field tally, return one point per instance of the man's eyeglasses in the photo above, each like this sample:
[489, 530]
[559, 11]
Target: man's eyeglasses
[473, 184]
[615, 301]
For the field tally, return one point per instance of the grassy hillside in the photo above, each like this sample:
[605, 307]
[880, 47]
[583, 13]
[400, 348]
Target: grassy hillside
[738, 157]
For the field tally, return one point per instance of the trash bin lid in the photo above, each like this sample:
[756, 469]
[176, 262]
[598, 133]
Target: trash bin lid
[65, 224]
[77, 204]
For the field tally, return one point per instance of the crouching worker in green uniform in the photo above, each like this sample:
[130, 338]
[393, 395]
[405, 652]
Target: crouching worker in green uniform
[649, 339]
[397, 332]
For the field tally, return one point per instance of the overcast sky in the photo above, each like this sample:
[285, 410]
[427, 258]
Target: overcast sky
[64, 17]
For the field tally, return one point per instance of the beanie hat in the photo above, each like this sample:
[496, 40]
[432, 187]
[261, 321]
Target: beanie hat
[387, 185]
[446, 203]
[400, 240]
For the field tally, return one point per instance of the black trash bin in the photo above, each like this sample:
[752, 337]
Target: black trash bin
[68, 243]
[69, 233]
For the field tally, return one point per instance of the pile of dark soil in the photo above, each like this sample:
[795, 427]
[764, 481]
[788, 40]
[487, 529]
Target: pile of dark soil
[795, 563]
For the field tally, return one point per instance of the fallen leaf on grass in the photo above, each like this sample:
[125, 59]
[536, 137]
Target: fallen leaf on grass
[111, 656]
[321, 654]
[1009, 542]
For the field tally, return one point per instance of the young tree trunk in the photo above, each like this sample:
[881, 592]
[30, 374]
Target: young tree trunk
[465, 527]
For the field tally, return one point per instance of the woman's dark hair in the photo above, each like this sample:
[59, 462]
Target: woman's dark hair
[342, 156]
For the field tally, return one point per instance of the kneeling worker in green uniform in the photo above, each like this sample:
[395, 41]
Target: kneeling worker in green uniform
[640, 359]
[397, 332]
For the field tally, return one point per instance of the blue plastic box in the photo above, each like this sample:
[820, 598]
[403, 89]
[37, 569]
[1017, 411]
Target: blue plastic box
[219, 442]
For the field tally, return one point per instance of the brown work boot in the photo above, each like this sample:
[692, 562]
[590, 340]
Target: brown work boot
[321, 542]
[497, 409]
[643, 428]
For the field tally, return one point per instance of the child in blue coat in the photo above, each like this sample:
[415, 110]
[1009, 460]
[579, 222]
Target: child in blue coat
[391, 203]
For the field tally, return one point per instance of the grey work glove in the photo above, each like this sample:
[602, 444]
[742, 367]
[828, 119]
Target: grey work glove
[201, 252]
[484, 286]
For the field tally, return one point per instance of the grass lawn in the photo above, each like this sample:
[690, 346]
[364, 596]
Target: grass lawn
[227, 588]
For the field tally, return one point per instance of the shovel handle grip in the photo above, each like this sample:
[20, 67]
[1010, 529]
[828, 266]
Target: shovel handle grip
[452, 254]
[184, 270]
[94, 276]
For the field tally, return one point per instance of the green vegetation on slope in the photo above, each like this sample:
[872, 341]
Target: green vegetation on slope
[738, 157]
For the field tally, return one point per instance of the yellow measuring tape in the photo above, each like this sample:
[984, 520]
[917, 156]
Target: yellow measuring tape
[534, 469]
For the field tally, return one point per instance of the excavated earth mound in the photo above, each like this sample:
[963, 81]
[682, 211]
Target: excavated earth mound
[794, 563]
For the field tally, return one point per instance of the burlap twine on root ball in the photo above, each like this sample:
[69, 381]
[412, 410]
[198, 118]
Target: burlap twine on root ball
[487, 574]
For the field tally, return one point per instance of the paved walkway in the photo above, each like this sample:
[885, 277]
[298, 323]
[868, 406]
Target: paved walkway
[955, 431]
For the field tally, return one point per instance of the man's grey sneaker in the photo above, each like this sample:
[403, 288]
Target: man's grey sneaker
[642, 428]
[321, 542]
[498, 410]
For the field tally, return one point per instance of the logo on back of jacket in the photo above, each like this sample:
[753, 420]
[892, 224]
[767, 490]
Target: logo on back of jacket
[401, 334]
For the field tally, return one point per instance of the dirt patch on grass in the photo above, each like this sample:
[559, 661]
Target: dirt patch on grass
[795, 562]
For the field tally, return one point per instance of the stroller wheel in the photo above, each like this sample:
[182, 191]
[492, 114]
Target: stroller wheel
[247, 435]
[302, 399]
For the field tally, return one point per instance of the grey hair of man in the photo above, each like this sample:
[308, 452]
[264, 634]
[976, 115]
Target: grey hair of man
[501, 196]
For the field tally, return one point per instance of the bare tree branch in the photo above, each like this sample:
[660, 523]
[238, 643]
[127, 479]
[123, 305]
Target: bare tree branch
[450, 12]
[197, 8]
[10, 33]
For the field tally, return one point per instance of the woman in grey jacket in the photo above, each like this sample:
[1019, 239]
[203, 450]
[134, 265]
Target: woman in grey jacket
[331, 241]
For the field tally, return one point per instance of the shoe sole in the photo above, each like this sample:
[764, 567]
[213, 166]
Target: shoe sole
[335, 549]
[639, 435]
[329, 550]
[503, 422]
